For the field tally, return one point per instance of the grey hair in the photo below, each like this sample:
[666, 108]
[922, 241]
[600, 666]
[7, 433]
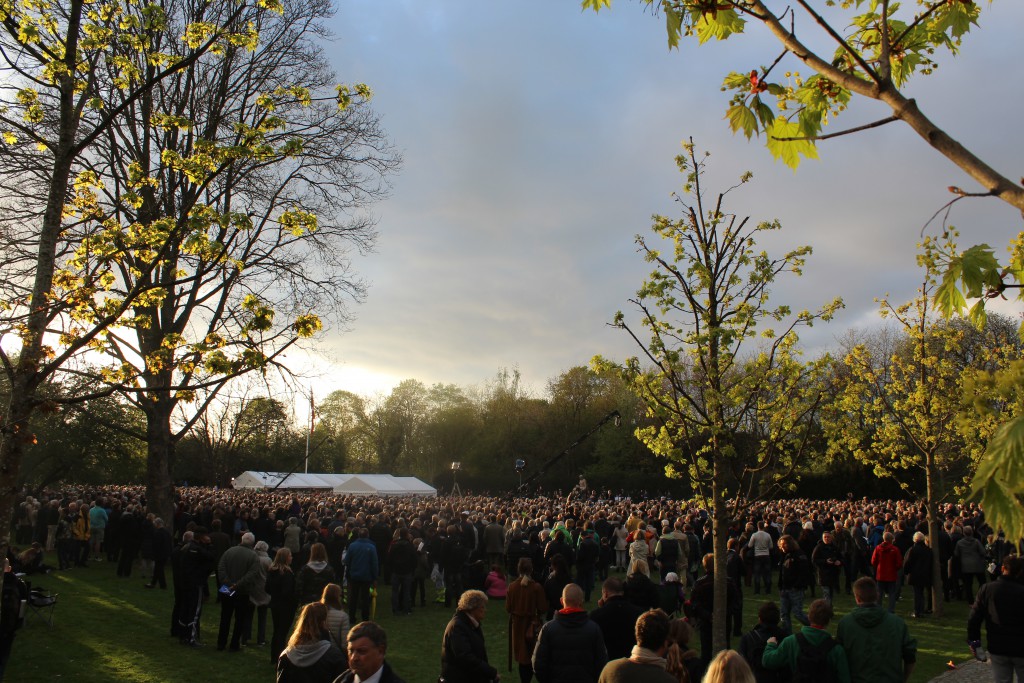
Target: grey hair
[248, 539]
[471, 600]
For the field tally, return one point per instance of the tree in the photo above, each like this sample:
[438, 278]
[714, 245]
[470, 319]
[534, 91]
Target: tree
[53, 110]
[899, 407]
[257, 173]
[877, 49]
[703, 306]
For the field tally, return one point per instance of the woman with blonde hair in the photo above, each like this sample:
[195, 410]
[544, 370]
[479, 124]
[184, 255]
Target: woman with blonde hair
[728, 666]
[281, 589]
[337, 618]
[308, 658]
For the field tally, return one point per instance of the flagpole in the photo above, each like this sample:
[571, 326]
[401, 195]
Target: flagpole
[310, 430]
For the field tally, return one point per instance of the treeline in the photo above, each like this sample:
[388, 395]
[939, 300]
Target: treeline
[420, 430]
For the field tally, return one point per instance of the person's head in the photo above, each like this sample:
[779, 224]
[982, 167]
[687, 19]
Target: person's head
[474, 603]
[888, 537]
[919, 537]
[680, 632]
[525, 566]
[248, 539]
[709, 563]
[367, 645]
[826, 538]
[865, 591]
[282, 560]
[652, 629]
[312, 622]
[788, 544]
[261, 547]
[332, 596]
[728, 666]
[820, 613]
[317, 553]
[612, 586]
[572, 596]
[768, 613]
[671, 577]
[1013, 566]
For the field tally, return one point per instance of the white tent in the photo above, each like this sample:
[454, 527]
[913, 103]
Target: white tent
[346, 484]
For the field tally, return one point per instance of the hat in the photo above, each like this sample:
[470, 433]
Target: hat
[808, 526]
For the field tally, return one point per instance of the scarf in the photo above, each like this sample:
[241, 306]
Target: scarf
[642, 655]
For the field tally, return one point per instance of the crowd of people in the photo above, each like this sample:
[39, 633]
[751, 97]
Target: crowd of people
[321, 557]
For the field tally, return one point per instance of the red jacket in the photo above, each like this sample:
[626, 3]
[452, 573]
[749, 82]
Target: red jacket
[887, 560]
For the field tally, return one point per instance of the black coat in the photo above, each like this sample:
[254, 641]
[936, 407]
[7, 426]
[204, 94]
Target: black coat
[617, 620]
[463, 653]
[1000, 605]
[917, 565]
[386, 676]
[642, 592]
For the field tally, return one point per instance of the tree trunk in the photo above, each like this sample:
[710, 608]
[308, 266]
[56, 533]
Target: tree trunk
[720, 522]
[160, 450]
[934, 531]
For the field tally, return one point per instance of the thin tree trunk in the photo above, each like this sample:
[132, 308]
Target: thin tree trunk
[720, 529]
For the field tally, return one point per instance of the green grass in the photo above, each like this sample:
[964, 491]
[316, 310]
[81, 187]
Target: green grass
[108, 629]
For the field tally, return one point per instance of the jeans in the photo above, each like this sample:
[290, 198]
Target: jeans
[791, 604]
[1004, 666]
[888, 588]
[762, 573]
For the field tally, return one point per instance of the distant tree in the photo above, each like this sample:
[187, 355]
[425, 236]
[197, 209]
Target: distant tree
[900, 402]
[702, 375]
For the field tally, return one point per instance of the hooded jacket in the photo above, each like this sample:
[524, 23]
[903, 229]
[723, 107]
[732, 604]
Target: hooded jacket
[877, 644]
[787, 653]
[570, 649]
[311, 663]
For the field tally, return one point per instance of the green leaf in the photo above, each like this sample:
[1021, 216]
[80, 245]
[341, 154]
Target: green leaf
[673, 26]
[978, 265]
[999, 481]
[742, 119]
[718, 25]
[596, 5]
[789, 151]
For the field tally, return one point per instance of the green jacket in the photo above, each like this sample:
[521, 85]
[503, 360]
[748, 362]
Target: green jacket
[878, 645]
[784, 654]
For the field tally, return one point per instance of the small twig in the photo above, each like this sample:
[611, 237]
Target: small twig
[866, 126]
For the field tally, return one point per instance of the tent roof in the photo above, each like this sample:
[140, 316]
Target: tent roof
[366, 484]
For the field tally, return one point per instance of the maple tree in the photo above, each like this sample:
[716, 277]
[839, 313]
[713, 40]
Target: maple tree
[869, 49]
[733, 415]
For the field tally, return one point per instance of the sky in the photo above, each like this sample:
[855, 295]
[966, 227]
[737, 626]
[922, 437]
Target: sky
[539, 139]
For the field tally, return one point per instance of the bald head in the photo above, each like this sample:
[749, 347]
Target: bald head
[572, 596]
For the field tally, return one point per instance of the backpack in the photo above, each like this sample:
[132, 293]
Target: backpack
[812, 661]
[761, 673]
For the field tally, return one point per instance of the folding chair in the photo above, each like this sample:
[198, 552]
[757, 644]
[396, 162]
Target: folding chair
[41, 604]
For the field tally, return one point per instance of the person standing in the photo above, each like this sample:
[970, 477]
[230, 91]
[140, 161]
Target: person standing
[196, 565]
[761, 543]
[878, 644]
[526, 604]
[646, 661]
[163, 546]
[794, 575]
[281, 589]
[887, 561]
[239, 570]
[463, 651]
[570, 647]
[812, 645]
[827, 562]
[402, 561]
[363, 569]
[972, 558]
[1000, 606]
[97, 527]
[918, 568]
[14, 595]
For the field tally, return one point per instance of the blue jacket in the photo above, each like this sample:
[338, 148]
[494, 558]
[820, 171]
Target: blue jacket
[361, 560]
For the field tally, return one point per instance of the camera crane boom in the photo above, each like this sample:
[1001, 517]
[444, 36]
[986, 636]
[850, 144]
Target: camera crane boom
[614, 415]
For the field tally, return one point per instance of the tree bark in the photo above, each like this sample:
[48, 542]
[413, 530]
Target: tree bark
[934, 530]
[160, 451]
[720, 540]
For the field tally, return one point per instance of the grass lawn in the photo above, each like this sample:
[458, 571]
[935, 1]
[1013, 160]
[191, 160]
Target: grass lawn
[108, 629]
